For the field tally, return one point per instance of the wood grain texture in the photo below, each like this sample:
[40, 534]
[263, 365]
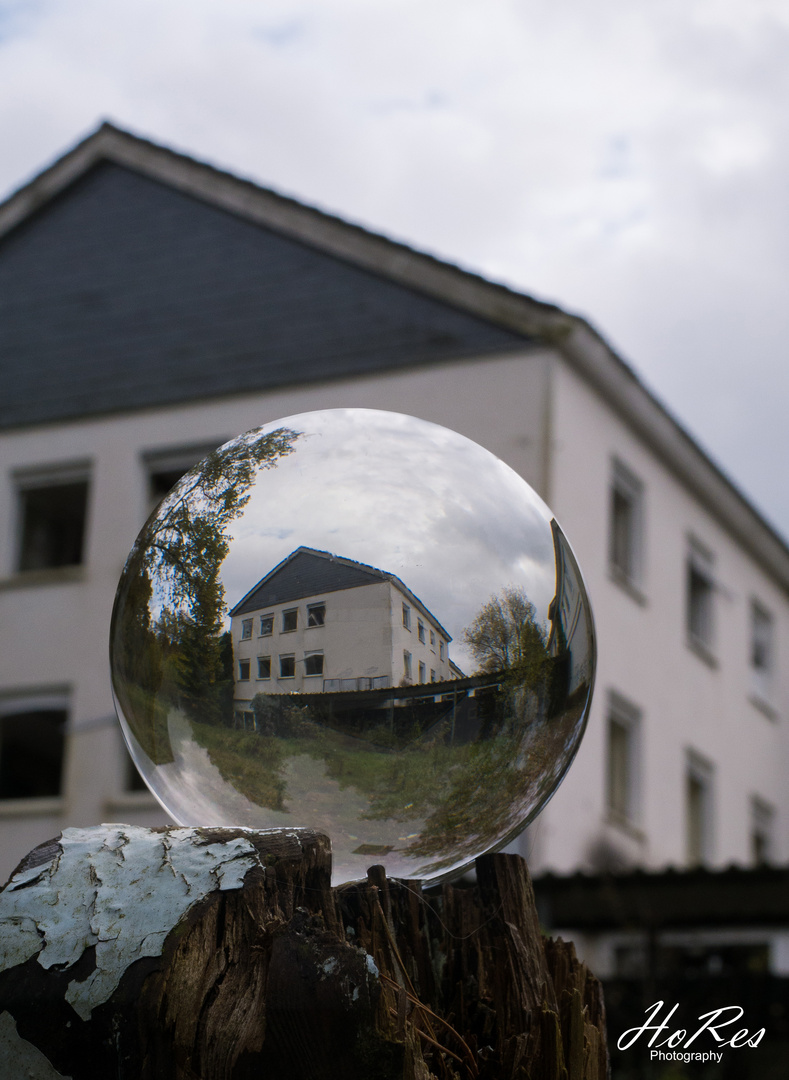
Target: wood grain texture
[268, 972]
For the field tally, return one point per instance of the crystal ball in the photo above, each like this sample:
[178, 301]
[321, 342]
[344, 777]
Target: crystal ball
[357, 622]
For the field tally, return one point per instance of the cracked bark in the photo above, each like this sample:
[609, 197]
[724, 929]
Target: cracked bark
[248, 964]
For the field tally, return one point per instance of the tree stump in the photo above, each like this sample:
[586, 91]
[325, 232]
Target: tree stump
[223, 953]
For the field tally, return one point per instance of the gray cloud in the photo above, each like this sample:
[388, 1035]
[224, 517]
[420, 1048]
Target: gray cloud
[628, 161]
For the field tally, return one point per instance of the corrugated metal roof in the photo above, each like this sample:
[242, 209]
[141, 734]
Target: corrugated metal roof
[125, 293]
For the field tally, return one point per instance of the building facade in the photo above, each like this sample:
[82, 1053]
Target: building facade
[318, 623]
[153, 307]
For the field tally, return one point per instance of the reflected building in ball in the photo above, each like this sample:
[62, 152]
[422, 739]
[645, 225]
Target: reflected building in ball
[319, 622]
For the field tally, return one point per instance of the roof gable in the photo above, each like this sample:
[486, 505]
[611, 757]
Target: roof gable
[307, 572]
[511, 319]
[123, 292]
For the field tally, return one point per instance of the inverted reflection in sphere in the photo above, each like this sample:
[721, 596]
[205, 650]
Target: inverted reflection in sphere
[357, 622]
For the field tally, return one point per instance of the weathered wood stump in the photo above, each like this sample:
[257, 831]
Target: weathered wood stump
[224, 953]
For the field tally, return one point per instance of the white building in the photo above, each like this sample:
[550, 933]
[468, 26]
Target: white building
[153, 307]
[318, 622]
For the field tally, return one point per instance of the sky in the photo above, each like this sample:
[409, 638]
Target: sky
[629, 162]
[460, 515]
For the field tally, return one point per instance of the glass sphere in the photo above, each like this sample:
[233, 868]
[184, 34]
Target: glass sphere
[357, 622]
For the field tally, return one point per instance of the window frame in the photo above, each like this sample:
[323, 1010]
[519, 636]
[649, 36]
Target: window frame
[626, 553]
[15, 705]
[626, 718]
[699, 844]
[269, 619]
[43, 478]
[312, 655]
[282, 657]
[762, 830]
[311, 609]
[244, 660]
[407, 617]
[173, 459]
[762, 675]
[294, 611]
[263, 678]
[700, 600]
[247, 628]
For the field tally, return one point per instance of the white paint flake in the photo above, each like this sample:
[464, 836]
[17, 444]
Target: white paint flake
[121, 888]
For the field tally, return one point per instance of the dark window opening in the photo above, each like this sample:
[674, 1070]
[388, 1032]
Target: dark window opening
[313, 664]
[161, 482]
[31, 754]
[53, 525]
[287, 667]
[243, 670]
[290, 620]
[134, 780]
[316, 615]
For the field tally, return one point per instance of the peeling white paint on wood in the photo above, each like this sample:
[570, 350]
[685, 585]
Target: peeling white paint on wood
[81, 898]
[19, 1059]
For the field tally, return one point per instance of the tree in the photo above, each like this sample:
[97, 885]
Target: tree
[505, 637]
[174, 571]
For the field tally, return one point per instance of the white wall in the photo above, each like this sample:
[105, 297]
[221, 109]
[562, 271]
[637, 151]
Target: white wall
[686, 703]
[54, 633]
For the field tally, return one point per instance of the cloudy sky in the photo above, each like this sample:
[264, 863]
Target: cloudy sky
[460, 515]
[627, 161]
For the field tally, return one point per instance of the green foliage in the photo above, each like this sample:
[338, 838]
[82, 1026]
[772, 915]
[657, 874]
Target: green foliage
[505, 637]
[174, 569]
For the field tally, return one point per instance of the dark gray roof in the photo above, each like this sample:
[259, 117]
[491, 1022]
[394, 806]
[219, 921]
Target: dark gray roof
[308, 572]
[122, 292]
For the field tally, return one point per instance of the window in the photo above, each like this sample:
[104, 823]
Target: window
[422, 672]
[243, 670]
[622, 760]
[313, 663]
[165, 468]
[420, 629]
[700, 598]
[432, 641]
[287, 666]
[266, 625]
[52, 515]
[316, 614]
[406, 616]
[246, 629]
[761, 652]
[698, 809]
[433, 675]
[625, 544]
[290, 620]
[264, 667]
[441, 650]
[762, 829]
[32, 742]
[407, 663]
